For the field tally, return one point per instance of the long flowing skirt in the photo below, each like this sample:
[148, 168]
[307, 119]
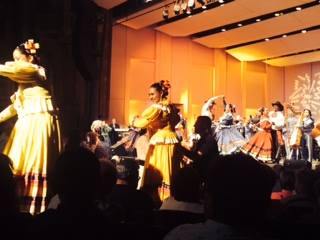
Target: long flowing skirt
[158, 169]
[259, 146]
[229, 140]
[33, 145]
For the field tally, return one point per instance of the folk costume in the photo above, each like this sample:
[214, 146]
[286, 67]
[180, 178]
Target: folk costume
[307, 140]
[229, 139]
[278, 122]
[35, 140]
[260, 144]
[158, 167]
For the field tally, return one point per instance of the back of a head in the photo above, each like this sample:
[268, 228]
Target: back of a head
[203, 124]
[128, 171]
[186, 184]
[76, 175]
[287, 180]
[238, 189]
[108, 176]
[73, 140]
[305, 179]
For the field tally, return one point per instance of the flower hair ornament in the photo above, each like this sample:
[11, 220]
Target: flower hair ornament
[31, 46]
[165, 84]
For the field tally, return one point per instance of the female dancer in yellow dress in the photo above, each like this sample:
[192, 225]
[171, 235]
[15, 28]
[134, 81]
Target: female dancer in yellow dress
[160, 119]
[35, 139]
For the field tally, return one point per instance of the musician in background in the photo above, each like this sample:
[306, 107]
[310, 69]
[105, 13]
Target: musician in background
[114, 123]
[278, 122]
[113, 134]
[204, 148]
[307, 141]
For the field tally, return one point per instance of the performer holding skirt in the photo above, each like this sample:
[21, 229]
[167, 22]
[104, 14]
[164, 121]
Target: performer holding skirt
[35, 140]
[229, 139]
[160, 121]
[260, 144]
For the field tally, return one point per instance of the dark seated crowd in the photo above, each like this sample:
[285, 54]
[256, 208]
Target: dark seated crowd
[97, 199]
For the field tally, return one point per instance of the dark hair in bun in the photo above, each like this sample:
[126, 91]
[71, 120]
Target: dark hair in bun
[162, 87]
[30, 48]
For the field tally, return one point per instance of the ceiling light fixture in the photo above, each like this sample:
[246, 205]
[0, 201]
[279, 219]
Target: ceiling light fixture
[304, 31]
[258, 20]
[223, 30]
[298, 8]
[239, 24]
[266, 39]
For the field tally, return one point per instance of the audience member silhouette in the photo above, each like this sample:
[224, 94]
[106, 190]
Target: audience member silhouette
[184, 206]
[203, 150]
[11, 219]
[134, 206]
[76, 180]
[238, 190]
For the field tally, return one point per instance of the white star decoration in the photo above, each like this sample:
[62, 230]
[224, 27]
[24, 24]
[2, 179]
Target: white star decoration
[306, 93]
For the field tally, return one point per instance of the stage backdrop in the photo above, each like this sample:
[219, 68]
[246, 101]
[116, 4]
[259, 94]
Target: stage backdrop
[196, 73]
[303, 87]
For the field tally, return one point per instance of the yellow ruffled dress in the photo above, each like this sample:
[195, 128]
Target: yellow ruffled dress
[158, 165]
[35, 141]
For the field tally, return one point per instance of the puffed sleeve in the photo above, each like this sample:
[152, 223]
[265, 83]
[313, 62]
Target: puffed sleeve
[148, 116]
[7, 113]
[20, 71]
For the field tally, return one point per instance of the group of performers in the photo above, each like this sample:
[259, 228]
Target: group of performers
[35, 140]
[269, 136]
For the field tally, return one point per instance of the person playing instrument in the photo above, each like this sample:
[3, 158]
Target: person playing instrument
[160, 119]
[307, 141]
[204, 149]
[35, 140]
[260, 144]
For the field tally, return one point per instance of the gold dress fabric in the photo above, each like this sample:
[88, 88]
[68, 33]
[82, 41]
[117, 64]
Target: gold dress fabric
[158, 165]
[34, 142]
